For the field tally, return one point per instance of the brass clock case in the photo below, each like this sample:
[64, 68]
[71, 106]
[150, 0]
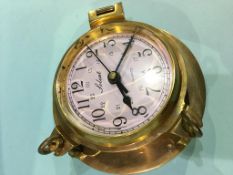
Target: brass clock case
[150, 146]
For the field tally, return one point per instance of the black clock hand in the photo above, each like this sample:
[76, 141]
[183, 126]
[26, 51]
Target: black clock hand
[122, 87]
[98, 59]
[126, 99]
[114, 78]
[119, 84]
[126, 50]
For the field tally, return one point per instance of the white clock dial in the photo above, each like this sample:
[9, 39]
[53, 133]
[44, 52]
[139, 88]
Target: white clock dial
[146, 72]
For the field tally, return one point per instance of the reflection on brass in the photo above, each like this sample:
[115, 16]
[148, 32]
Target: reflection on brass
[156, 143]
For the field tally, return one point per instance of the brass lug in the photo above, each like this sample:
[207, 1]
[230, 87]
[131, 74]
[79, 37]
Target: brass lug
[55, 143]
[190, 122]
[106, 15]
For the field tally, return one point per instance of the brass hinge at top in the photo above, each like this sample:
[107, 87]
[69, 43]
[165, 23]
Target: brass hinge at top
[105, 15]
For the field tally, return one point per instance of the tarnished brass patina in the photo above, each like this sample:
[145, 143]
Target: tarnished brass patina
[148, 147]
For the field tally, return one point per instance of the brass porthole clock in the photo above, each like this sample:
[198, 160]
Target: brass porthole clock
[127, 97]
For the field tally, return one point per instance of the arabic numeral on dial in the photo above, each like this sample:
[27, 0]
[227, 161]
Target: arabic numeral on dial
[141, 110]
[77, 87]
[98, 115]
[89, 53]
[147, 52]
[110, 42]
[139, 54]
[119, 121]
[144, 53]
[83, 104]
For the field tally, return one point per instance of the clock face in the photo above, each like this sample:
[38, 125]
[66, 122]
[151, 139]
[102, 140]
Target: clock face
[119, 83]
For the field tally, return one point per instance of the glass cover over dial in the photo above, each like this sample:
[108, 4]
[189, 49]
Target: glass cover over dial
[119, 83]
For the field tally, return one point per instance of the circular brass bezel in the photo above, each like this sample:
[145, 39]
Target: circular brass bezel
[129, 140]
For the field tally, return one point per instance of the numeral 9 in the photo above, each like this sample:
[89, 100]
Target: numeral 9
[145, 52]
[119, 121]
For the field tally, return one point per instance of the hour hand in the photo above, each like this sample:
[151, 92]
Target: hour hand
[114, 78]
[126, 99]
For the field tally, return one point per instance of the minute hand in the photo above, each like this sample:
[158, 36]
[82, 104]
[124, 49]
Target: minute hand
[123, 55]
[98, 59]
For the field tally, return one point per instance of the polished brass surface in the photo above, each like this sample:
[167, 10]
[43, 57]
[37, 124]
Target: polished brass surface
[105, 15]
[55, 143]
[145, 148]
[126, 141]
